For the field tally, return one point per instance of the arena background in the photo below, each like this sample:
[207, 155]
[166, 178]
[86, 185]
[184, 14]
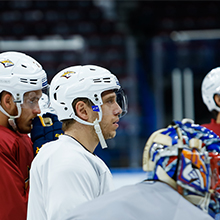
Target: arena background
[159, 50]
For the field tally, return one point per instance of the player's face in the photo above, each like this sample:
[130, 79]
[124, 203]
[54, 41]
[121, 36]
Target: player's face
[29, 110]
[110, 112]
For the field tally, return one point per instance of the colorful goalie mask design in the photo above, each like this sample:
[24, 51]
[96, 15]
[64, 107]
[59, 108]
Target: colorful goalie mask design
[186, 156]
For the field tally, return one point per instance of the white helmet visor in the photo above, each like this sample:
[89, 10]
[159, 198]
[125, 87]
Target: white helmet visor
[122, 102]
[31, 99]
[120, 99]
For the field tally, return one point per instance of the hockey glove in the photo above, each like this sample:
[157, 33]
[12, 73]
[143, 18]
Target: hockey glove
[45, 128]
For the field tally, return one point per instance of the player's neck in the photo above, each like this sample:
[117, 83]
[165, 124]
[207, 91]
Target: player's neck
[4, 120]
[85, 135]
[218, 118]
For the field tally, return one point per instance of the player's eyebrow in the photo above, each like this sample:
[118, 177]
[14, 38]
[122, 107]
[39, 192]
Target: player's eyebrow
[109, 96]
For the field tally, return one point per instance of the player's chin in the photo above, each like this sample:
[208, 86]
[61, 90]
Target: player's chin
[110, 135]
[25, 129]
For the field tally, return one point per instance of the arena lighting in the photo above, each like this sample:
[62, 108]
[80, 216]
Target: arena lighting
[50, 44]
[195, 35]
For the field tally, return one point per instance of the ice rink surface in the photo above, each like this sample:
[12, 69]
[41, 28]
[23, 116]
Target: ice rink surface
[122, 177]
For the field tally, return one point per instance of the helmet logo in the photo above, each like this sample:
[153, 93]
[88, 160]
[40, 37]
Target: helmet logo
[117, 82]
[7, 63]
[44, 82]
[95, 108]
[68, 74]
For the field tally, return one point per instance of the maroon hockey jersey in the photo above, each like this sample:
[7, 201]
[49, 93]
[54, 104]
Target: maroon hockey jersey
[16, 155]
[213, 126]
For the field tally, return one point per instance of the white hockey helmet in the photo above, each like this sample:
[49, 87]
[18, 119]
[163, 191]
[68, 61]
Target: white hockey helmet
[88, 81]
[210, 87]
[20, 74]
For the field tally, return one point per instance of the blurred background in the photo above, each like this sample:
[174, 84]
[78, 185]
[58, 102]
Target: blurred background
[159, 50]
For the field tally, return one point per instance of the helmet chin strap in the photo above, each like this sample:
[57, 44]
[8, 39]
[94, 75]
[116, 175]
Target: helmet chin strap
[97, 128]
[12, 118]
[99, 133]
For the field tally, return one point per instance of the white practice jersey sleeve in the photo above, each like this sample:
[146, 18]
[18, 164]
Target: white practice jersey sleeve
[143, 201]
[63, 175]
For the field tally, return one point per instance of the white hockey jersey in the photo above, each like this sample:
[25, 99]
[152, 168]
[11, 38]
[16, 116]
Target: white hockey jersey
[63, 175]
[143, 201]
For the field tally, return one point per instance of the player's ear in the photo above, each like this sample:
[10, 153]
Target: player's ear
[217, 99]
[81, 109]
[7, 101]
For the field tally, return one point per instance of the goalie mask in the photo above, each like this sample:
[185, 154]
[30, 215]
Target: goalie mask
[21, 74]
[89, 82]
[186, 156]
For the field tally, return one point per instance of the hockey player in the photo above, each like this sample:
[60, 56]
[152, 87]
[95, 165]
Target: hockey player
[211, 98]
[21, 81]
[65, 173]
[182, 181]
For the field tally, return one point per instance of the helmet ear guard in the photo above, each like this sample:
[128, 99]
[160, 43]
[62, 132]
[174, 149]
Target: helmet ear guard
[186, 157]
